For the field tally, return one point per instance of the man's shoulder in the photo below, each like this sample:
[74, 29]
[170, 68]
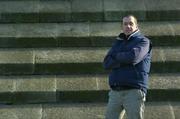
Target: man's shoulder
[141, 37]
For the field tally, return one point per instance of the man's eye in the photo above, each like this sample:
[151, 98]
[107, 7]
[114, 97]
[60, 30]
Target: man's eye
[131, 24]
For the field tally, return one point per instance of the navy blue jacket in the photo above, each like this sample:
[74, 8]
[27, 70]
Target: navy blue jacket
[129, 60]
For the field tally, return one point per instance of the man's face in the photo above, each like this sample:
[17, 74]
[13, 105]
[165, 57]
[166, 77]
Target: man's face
[129, 25]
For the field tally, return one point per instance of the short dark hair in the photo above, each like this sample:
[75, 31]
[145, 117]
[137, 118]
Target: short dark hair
[135, 19]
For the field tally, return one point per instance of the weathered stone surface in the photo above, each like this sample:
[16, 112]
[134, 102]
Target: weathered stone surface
[16, 61]
[105, 29]
[155, 29]
[6, 88]
[153, 110]
[87, 10]
[121, 5]
[43, 26]
[37, 83]
[70, 55]
[8, 30]
[148, 28]
[97, 111]
[27, 89]
[164, 81]
[161, 110]
[28, 42]
[93, 55]
[72, 29]
[115, 10]
[84, 41]
[19, 6]
[75, 111]
[36, 30]
[16, 56]
[87, 6]
[61, 6]
[84, 10]
[28, 30]
[176, 110]
[161, 54]
[78, 83]
[165, 5]
[7, 84]
[85, 29]
[75, 88]
[35, 89]
[21, 112]
[100, 82]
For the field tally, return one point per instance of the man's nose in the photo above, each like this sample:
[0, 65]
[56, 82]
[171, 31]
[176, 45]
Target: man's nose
[128, 26]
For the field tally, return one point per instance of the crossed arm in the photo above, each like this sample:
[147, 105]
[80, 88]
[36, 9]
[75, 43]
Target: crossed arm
[133, 56]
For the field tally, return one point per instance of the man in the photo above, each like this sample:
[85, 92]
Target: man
[129, 61]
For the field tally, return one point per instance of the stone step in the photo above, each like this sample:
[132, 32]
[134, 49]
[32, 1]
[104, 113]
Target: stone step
[85, 29]
[75, 68]
[18, 11]
[89, 41]
[82, 34]
[154, 110]
[83, 60]
[78, 88]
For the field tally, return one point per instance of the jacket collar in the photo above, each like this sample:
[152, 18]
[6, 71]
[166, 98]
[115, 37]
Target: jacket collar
[122, 36]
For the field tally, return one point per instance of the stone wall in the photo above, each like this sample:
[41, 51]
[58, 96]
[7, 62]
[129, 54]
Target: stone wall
[51, 54]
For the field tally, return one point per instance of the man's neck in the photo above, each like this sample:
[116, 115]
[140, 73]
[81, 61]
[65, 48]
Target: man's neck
[128, 36]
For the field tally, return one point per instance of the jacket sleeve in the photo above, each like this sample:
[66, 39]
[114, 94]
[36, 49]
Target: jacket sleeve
[135, 55]
[109, 62]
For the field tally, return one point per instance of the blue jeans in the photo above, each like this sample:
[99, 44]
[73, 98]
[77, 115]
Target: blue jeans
[130, 102]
